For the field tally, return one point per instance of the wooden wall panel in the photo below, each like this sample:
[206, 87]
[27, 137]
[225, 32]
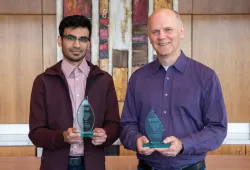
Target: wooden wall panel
[49, 41]
[20, 7]
[248, 150]
[222, 43]
[17, 151]
[125, 152]
[229, 150]
[185, 6]
[213, 162]
[49, 6]
[21, 62]
[186, 43]
[221, 6]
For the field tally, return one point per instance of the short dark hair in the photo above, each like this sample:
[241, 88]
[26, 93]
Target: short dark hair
[75, 21]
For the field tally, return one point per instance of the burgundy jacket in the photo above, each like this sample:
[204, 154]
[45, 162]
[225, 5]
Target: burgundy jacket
[51, 114]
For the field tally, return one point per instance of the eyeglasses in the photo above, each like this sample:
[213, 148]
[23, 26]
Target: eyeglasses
[72, 38]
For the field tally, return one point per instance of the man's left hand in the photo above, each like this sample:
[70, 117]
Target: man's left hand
[99, 136]
[174, 149]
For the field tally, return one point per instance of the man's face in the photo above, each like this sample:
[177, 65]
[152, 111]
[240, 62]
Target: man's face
[165, 32]
[75, 43]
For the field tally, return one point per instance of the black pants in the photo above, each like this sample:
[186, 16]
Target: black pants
[142, 165]
[76, 163]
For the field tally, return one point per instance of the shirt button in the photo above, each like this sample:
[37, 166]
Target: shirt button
[167, 78]
[76, 79]
[166, 94]
[77, 95]
[164, 112]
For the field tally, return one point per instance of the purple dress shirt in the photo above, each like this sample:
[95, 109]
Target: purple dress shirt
[189, 102]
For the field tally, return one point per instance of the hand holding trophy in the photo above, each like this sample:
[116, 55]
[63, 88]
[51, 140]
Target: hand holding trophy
[154, 130]
[85, 119]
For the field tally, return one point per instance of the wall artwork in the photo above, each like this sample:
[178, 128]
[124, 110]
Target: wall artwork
[119, 42]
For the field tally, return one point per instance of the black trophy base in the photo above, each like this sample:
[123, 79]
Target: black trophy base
[87, 134]
[156, 145]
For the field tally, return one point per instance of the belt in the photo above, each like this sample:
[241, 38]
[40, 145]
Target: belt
[76, 160]
[198, 166]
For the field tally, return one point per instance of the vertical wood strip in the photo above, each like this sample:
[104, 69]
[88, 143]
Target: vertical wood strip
[95, 33]
[175, 5]
[150, 48]
[49, 41]
[112, 29]
[59, 17]
[130, 49]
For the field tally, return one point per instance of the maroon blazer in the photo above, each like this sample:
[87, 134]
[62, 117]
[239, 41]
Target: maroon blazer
[51, 114]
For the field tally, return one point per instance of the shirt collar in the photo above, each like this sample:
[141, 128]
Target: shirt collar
[179, 65]
[181, 62]
[69, 68]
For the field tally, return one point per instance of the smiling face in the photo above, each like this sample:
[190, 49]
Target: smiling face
[165, 31]
[75, 43]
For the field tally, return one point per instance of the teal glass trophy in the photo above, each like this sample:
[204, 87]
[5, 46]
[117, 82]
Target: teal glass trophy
[86, 118]
[154, 130]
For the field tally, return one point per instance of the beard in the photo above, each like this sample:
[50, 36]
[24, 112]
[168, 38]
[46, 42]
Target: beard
[70, 56]
[74, 59]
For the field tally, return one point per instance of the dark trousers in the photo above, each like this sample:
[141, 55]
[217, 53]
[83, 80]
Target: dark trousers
[142, 165]
[76, 163]
[139, 168]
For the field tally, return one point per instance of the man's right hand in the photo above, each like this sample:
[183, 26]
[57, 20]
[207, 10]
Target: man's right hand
[143, 150]
[72, 136]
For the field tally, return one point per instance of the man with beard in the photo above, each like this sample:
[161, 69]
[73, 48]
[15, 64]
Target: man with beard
[185, 96]
[56, 96]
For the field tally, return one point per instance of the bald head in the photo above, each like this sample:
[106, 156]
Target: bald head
[165, 30]
[164, 12]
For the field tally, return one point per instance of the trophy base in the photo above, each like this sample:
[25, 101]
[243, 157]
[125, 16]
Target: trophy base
[156, 145]
[87, 134]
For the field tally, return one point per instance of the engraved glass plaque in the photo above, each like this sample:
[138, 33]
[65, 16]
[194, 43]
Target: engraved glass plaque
[86, 118]
[154, 130]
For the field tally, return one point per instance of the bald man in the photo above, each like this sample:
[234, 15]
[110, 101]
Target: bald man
[185, 95]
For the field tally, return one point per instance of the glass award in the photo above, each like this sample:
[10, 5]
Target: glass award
[85, 118]
[154, 130]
